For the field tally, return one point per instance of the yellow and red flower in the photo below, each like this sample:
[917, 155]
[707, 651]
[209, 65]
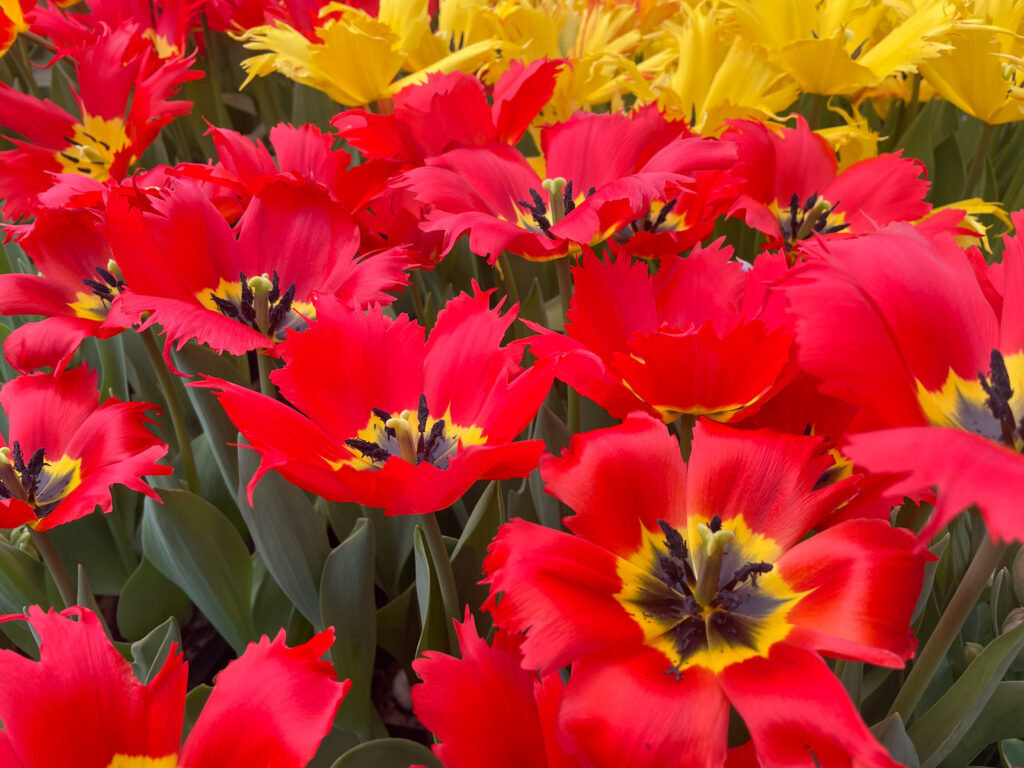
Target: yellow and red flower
[697, 337]
[929, 341]
[240, 289]
[75, 289]
[64, 450]
[602, 172]
[12, 21]
[689, 588]
[124, 99]
[271, 706]
[385, 420]
[792, 188]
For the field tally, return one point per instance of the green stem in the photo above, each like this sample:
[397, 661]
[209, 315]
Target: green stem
[915, 102]
[572, 407]
[985, 560]
[61, 577]
[564, 285]
[174, 409]
[212, 45]
[417, 301]
[978, 163]
[445, 576]
[507, 278]
[816, 107]
[502, 513]
[24, 66]
[111, 368]
[266, 385]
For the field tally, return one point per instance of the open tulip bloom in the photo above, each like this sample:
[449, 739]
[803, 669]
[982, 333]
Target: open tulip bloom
[602, 173]
[689, 588]
[386, 420]
[64, 450]
[929, 342]
[698, 337]
[271, 706]
[240, 289]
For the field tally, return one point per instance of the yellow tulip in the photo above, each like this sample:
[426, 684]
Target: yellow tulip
[841, 47]
[356, 57]
[713, 76]
[983, 72]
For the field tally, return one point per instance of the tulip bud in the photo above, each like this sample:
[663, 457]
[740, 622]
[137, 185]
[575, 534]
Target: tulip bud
[1017, 572]
[1013, 620]
[972, 651]
[21, 537]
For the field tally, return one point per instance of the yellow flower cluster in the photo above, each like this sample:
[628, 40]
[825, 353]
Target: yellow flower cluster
[704, 62]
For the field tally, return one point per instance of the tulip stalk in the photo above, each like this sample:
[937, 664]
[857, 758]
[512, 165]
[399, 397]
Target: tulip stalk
[974, 582]
[174, 409]
[61, 577]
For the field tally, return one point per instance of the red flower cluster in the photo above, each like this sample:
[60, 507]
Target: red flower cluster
[861, 355]
[111, 720]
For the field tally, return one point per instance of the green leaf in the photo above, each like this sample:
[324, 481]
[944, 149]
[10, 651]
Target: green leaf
[148, 599]
[23, 580]
[398, 626]
[555, 434]
[89, 541]
[388, 753]
[194, 545]
[929, 575]
[394, 545]
[347, 604]
[22, 583]
[288, 532]
[999, 719]
[893, 736]
[271, 608]
[532, 307]
[433, 633]
[1012, 752]
[948, 181]
[194, 703]
[938, 731]
[150, 653]
[193, 359]
[482, 524]
[87, 599]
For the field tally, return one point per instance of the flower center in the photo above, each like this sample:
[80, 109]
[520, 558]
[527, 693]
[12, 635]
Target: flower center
[546, 215]
[95, 304]
[260, 303]
[714, 603]
[801, 221]
[989, 406]
[93, 147]
[37, 482]
[415, 437]
[655, 220]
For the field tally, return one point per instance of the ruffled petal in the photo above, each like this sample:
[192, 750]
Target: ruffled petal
[560, 589]
[84, 684]
[628, 711]
[967, 468]
[794, 707]
[456, 702]
[50, 343]
[634, 466]
[768, 478]
[271, 706]
[864, 578]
